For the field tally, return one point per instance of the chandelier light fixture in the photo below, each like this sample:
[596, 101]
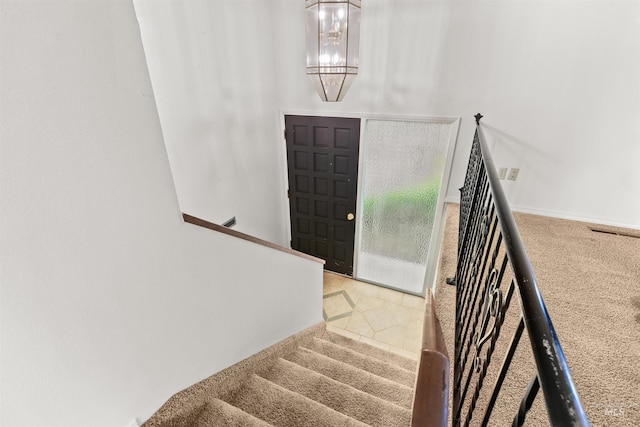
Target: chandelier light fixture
[333, 38]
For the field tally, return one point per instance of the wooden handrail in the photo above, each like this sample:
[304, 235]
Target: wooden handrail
[430, 403]
[221, 229]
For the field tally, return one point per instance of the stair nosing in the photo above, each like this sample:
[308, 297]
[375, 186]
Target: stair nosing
[362, 354]
[349, 365]
[376, 350]
[398, 393]
[379, 367]
[256, 377]
[366, 403]
[225, 403]
[356, 390]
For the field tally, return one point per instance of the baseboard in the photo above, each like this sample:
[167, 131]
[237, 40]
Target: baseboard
[454, 200]
[134, 423]
[572, 217]
[561, 215]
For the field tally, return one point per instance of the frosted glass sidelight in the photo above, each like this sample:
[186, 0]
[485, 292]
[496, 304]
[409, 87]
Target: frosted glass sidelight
[403, 166]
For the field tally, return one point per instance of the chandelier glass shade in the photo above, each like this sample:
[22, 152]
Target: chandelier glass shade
[333, 39]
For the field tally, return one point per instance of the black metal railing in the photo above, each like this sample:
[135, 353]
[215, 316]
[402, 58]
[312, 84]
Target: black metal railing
[492, 267]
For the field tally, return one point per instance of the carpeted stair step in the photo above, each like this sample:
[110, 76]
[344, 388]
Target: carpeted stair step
[403, 362]
[221, 414]
[345, 399]
[364, 381]
[283, 408]
[317, 379]
[363, 361]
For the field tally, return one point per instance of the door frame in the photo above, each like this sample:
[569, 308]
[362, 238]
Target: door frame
[433, 259]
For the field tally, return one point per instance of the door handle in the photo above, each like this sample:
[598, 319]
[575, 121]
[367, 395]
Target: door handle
[350, 216]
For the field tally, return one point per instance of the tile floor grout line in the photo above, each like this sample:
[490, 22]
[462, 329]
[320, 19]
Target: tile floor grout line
[392, 304]
[339, 316]
[332, 294]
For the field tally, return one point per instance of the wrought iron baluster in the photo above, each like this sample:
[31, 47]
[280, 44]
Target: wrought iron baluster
[470, 328]
[478, 279]
[463, 291]
[499, 311]
[472, 227]
[529, 396]
[470, 257]
[468, 190]
[478, 246]
[467, 209]
[469, 289]
[481, 307]
[463, 343]
[479, 337]
[504, 368]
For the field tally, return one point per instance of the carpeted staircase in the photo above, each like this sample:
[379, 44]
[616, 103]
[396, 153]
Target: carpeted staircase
[327, 380]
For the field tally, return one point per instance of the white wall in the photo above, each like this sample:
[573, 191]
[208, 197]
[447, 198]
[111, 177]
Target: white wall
[211, 66]
[557, 82]
[109, 304]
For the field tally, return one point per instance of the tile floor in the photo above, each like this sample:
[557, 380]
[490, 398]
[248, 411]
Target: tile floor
[372, 314]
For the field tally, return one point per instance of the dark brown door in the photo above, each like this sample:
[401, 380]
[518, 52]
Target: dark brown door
[322, 157]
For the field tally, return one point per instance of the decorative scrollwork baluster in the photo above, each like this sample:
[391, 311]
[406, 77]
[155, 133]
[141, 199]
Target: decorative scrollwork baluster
[479, 246]
[481, 304]
[492, 308]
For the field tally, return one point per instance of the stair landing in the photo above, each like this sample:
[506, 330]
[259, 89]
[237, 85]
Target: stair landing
[374, 315]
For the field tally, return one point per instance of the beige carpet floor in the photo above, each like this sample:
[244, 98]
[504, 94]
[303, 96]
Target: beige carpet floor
[590, 282]
[315, 379]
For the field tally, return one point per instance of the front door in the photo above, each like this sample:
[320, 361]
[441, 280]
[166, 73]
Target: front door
[322, 159]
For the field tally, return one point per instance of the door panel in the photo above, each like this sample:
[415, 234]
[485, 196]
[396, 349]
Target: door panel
[322, 161]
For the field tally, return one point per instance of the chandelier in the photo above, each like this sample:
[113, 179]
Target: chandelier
[333, 38]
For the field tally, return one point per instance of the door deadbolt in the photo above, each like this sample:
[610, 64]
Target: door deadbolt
[350, 216]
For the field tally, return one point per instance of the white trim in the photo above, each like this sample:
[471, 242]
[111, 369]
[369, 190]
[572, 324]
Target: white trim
[560, 215]
[572, 217]
[437, 266]
[434, 246]
[286, 203]
[438, 221]
[359, 198]
[320, 114]
[134, 423]
[450, 199]
[369, 116]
